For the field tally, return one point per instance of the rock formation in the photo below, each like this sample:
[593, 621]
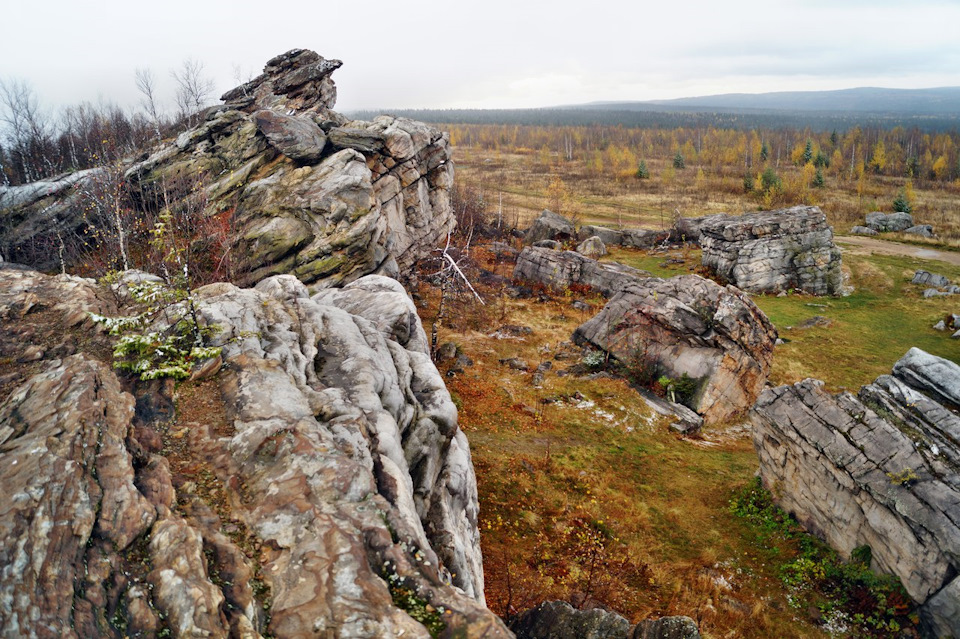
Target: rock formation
[888, 222]
[630, 238]
[563, 268]
[560, 620]
[305, 190]
[592, 247]
[334, 497]
[549, 226]
[688, 325]
[881, 469]
[682, 325]
[923, 230]
[772, 251]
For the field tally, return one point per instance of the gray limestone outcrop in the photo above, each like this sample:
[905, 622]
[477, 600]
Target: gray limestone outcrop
[630, 238]
[863, 230]
[338, 497]
[927, 278]
[881, 468]
[923, 230]
[560, 620]
[592, 247]
[563, 268]
[688, 325]
[888, 222]
[772, 251]
[550, 226]
[306, 191]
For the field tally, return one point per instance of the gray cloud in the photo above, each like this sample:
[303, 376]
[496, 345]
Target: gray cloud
[496, 53]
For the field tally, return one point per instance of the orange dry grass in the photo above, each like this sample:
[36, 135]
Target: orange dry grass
[589, 496]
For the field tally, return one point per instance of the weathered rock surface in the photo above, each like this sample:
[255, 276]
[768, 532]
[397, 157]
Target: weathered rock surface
[772, 251]
[346, 489]
[563, 268]
[689, 325]
[923, 230]
[881, 468]
[927, 278]
[550, 226]
[560, 620]
[862, 230]
[631, 238]
[687, 229]
[592, 247]
[298, 138]
[888, 222]
[306, 191]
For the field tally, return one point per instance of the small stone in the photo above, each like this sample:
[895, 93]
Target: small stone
[31, 354]
[515, 363]
[446, 351]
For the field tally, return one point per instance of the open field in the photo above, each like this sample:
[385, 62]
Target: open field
[600, 185]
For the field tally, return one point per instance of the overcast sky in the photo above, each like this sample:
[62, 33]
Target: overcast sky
[496, 53]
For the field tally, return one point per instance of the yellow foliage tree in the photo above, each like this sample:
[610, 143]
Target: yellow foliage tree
[879, 160]
[940, 168]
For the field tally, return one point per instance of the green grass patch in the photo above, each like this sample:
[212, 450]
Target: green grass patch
[849, 598]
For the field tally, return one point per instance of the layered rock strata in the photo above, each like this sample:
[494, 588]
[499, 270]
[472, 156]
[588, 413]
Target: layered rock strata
[335, 498]
[630, 238]
[550, 226]
[303, 189]
[881, 468]
[563, 268]
[888, 222]
[688, 325]
[560, 620]
[772, 251]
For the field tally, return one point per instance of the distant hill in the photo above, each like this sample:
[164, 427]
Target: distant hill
[927, 109]
[932, 102]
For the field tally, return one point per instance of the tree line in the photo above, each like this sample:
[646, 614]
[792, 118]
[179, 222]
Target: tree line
[895, 152]
[36, 143]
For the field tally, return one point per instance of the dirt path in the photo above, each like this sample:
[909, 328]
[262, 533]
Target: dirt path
[872, 245]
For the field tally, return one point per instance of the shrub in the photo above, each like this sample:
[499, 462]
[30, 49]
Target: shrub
[769, 180]
[170, 351]
[678, 161]
[901, 203]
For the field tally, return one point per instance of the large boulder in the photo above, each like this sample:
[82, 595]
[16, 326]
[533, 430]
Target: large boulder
[772, 251]
[923, 230]
[880, 469]
[687, 229]
[560, 269]
[550, 226]
[333, 496]
[926, 278]
[592, 247]
[301, 188]
[689, 325]
[888, 222]
[560, 620]
[630, 238]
